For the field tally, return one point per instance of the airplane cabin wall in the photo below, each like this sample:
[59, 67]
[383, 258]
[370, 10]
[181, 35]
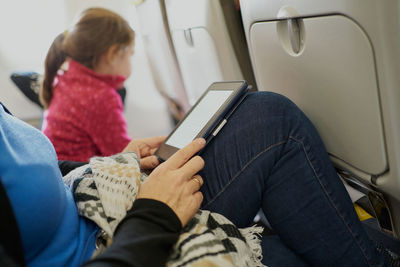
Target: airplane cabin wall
[26, 29]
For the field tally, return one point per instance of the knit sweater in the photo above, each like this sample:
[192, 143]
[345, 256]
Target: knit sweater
[85, 116]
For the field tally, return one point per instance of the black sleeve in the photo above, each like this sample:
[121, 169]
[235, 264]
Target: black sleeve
[66, 166]
[11, 250]
[143, 238]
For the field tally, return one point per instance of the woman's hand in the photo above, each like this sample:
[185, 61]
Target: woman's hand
[145, 149]
[175, 182]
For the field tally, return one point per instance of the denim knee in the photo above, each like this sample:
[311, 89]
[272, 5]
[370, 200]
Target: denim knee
[273, 104]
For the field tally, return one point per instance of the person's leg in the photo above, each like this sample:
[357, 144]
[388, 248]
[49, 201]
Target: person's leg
[277, 254]
[269, 155]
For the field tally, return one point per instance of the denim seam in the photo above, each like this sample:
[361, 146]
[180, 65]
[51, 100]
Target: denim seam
[242, 169]
[331, 200]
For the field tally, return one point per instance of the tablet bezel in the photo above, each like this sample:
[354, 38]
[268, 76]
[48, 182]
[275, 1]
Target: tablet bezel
[238, 88]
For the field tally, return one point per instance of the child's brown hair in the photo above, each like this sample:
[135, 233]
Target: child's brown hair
[96, 31]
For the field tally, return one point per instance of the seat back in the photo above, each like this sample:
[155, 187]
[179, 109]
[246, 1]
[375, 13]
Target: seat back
[207, 47]
[339, 62]
[161, 55]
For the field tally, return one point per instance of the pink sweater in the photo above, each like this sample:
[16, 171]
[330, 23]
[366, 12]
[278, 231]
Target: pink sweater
[85, 117]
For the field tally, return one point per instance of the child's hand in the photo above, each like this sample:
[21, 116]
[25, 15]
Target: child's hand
[145, 148]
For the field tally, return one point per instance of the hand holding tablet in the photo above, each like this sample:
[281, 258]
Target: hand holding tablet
[206, 117]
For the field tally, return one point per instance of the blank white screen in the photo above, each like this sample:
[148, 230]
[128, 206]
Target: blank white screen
[198, 118]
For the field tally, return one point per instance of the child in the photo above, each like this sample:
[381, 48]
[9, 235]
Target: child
[84, 113]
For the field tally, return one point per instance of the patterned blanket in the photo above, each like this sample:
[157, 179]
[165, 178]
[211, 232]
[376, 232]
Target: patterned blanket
[105, 189]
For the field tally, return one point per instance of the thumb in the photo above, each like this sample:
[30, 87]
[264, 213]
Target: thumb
[149, 162]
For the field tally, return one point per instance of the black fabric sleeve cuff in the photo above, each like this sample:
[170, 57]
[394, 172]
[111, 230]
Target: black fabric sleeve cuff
[66, 166]
[155, 211]
[143, 238]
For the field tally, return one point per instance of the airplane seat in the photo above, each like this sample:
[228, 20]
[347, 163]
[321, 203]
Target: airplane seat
[209, 42]
[161, 56]
[339, 62]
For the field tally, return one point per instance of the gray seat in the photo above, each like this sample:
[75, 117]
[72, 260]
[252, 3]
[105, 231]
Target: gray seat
[209, 42]
[339, 62]
[161, 56]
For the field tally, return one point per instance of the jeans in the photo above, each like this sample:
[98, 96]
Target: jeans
[270, 156]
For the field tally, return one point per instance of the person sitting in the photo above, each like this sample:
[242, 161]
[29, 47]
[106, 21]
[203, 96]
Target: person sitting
[268, 156]
[84, 67]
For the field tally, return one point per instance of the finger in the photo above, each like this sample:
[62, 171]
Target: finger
[149, 145]
[193, 206]
[132, 147]
[192, 167]
[199, 179]
[153, 150]
[183, 155]
[198, 198]
[194, 184]
[143, 149]
[154, 142]
[149, 162]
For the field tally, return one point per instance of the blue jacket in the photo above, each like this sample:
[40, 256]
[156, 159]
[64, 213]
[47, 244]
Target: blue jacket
[52, 232]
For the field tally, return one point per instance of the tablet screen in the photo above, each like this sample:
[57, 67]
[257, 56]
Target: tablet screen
[198, 118]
